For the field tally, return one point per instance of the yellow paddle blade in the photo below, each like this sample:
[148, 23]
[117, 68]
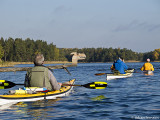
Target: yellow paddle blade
[96, 85]
[100, 83]
[92, 85]
[2, 81]
[4, 84]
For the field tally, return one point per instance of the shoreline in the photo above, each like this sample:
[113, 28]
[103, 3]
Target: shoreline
[11, 64]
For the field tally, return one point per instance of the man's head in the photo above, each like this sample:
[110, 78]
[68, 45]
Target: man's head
[121, 58]
[39, 59]
[148, 60]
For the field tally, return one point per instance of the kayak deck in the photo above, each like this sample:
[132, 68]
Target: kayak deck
[5, 99]
[129, 71]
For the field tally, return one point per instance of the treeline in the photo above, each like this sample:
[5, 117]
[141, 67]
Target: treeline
[19, 50]
[105, 54]
[110, 54]
[153, 55]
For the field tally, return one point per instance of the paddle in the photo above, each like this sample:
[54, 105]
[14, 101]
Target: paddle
[4, 84]
[92, 85]
[100, 74]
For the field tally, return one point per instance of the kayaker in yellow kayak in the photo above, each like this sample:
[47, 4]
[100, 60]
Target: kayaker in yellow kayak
[41, 76]
[147, 66]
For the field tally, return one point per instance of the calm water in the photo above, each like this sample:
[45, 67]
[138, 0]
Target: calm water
[137, 97]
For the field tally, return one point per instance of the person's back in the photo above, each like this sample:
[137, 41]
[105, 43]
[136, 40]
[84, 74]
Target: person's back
[147, 66]
[41, 76]
[120, 66]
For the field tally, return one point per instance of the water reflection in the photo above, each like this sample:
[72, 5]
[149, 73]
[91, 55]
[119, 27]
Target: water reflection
[37, 110]
[98, 98]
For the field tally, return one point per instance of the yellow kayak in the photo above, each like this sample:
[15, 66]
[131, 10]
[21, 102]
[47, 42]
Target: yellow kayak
[14, 98]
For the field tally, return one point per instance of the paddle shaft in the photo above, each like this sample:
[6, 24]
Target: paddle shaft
[100, 74]
[92, 85]
[70, 85]
[19, 84]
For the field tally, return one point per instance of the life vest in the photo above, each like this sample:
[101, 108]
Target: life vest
[38, 77]
[147, 66]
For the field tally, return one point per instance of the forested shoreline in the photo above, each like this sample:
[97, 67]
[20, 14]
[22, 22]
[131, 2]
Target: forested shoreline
[19, 50]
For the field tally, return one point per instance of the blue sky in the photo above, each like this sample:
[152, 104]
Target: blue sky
[131, 24]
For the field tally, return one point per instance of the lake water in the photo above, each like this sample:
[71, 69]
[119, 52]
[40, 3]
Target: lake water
[136, 97]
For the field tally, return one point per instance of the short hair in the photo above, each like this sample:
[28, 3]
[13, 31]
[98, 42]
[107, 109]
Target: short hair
[39, 59]
[148, 60]
[121, 58]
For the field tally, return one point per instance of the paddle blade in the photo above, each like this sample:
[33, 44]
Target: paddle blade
[4, 84]
[100, 74]
[92, 85]
[96, 85]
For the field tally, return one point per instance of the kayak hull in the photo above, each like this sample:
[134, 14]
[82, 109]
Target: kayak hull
[113, 76]
[129, 73]
[64, 91]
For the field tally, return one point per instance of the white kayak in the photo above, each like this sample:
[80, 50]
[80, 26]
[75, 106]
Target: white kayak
[128, 73]
[21, 97]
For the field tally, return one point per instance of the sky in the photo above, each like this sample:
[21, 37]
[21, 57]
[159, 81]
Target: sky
[131, 24]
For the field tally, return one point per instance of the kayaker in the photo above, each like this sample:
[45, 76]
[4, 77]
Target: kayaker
[120, 65]
[147, 66]
[41, 76]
